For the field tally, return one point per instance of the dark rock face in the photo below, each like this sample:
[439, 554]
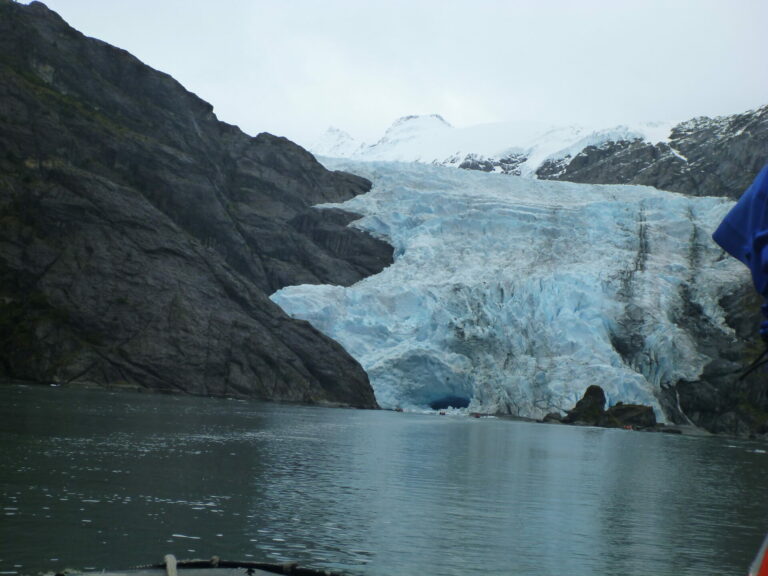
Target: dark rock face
[590, 411]
[720, 400]
[140, 236]
[509, 164]
[704, 157]
[362, 254]
[628, 416]
[476, 162]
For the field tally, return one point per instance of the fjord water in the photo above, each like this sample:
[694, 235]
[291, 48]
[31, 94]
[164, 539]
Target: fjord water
[94, 479]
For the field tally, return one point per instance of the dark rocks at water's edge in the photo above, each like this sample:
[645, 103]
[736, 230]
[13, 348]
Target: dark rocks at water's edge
[635, 416]
[720, 401]
[140, 236]
[590, 411]
[705, 404]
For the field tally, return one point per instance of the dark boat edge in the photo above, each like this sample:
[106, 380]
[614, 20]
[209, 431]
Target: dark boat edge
[213, 567]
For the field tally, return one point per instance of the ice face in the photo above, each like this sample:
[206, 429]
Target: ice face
[519, 293]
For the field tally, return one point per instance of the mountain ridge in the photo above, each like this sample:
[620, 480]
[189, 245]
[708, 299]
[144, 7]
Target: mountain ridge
[700, 157]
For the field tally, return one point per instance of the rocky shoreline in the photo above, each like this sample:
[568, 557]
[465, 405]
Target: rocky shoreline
[590, 411]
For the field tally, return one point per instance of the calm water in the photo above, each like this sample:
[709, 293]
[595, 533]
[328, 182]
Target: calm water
[106, 480]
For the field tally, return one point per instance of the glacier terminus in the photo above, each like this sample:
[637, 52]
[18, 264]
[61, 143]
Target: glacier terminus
[516, 294]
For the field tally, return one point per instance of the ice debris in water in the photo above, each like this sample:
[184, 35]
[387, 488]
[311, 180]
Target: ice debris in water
[518, 293]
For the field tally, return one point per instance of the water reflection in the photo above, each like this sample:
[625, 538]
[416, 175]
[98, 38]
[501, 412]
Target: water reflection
[111, 480]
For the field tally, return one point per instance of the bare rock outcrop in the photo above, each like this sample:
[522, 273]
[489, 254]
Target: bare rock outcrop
[140, 236]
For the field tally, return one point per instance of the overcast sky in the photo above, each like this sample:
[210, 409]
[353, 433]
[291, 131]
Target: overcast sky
[296, 67]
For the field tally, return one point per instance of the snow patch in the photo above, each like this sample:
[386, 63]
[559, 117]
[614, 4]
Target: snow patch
[432, 140]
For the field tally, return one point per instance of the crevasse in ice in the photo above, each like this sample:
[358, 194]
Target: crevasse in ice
[517, 294]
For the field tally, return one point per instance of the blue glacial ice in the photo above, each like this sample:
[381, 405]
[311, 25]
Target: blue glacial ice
[517, 294]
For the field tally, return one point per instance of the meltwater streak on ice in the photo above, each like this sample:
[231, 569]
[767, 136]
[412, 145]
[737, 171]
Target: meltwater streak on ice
[516, 293]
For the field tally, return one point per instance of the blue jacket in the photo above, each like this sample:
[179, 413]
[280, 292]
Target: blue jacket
[743, 233]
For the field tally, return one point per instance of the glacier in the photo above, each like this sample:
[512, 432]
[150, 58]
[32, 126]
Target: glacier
[517, 294]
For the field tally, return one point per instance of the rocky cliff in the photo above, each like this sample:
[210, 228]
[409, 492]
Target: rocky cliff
[702, 157]
[140, 236]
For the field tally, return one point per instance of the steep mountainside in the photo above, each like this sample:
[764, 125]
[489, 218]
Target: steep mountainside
[700, 157]
[139, 235]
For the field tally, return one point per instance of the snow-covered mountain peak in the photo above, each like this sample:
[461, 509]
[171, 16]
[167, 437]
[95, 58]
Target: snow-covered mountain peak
[519, 147]
[682, 157]
[409, 128]
[336, 143]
